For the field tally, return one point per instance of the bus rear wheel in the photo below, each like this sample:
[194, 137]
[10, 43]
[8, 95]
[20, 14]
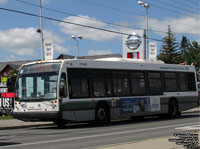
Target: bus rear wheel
[102, 114]
[173, 109]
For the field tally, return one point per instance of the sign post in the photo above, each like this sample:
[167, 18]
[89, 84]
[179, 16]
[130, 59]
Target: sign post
[48, 46]
[152, 50]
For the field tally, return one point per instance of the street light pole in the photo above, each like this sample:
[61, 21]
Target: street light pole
[41, 29]
[147, 45]
[146, 6]
[75, 38]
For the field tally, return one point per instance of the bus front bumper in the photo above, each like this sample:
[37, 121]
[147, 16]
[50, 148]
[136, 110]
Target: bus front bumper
[36, 116]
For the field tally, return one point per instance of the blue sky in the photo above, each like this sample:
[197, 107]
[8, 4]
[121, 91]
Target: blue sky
[20, 41]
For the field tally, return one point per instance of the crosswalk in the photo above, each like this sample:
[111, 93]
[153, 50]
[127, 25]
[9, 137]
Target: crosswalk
[191, 127]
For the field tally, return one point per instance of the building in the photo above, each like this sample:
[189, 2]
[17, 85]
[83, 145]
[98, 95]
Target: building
[8, 68]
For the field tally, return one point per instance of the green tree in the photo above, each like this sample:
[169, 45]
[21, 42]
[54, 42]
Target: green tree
[185, 45]
[191, 54]
[169, 52]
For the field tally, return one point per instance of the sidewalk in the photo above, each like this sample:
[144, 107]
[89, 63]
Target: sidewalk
[192, 110]
[156, 143]
[14, 123]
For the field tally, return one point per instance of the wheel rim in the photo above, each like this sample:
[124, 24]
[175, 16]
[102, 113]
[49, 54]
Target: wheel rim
[101, 114]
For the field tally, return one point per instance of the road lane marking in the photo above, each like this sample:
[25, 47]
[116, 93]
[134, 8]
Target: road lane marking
[92, 136]
[191, 127]
[5, 137]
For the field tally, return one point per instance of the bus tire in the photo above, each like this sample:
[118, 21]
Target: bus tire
[60, 123]
[102, 114]
[137, 118]
[173, 109]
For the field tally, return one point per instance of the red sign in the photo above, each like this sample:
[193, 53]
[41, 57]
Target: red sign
[8, 95]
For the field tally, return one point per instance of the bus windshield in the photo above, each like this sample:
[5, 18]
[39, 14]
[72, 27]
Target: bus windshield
[37, 84]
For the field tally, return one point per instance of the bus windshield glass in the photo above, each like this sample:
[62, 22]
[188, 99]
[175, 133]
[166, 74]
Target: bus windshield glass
[38, 82]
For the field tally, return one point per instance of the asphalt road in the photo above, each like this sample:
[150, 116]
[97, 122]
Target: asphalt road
[78, 136]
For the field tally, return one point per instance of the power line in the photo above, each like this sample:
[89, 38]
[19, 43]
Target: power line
[174, 6]
[173, 11]
[69, 14]
[72, 23]
[109, 7]
[180, 3]
[128, 12]
[119, 25]
[190, 1]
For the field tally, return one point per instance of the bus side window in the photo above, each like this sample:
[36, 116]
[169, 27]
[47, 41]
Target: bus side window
[191, 82]
[155, 83]
[99, 84]
[138, 83]
[183, 84]
[120, 83]
[63, 85]
[79, 87]
[170, 82]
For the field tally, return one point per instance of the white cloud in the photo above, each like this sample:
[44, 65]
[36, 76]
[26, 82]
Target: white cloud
[20, 41]
[87, 33]
[9, 58]
[51, 36]
[184, 24]
[45, 1]
[26, 42]
[99, 52]
[61, 49]
[3, 1]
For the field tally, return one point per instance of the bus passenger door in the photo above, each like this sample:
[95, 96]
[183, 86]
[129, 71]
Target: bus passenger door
[62, 88]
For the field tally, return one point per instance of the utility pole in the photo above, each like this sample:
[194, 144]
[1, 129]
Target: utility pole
[41, 29]
[146, 6]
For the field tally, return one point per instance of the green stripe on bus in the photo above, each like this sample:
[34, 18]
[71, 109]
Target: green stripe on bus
[80, 105]
[86, 105]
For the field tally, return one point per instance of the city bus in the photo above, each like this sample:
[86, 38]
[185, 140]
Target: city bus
[101, 90]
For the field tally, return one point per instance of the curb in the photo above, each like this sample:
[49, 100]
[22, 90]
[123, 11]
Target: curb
[24, 126]
[195, 111]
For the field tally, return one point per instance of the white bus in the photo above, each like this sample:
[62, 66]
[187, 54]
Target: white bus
[101, 90]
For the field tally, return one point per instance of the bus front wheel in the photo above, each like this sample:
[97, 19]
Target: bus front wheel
[102, 114]
[60, 123]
